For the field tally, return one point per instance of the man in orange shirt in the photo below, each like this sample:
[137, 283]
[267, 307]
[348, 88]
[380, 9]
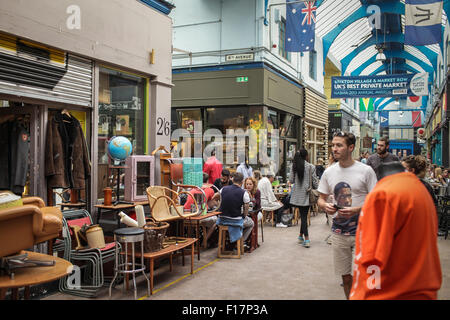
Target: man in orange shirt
[213, 167]
[396, 253]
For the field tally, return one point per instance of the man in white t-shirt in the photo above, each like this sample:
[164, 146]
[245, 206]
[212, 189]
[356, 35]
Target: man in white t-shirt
[349, 181]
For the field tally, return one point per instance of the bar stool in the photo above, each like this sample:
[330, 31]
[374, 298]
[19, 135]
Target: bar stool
[126, 236]
[222, 253]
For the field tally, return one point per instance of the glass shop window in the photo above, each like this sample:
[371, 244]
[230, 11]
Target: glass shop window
[121, 110]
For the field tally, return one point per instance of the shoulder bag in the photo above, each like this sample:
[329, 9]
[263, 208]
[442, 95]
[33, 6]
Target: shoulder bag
[312, 193]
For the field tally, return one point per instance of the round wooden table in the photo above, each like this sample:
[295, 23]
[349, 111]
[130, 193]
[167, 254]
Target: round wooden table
[26, 277]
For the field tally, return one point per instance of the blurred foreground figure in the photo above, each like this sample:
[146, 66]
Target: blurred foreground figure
[396, 254]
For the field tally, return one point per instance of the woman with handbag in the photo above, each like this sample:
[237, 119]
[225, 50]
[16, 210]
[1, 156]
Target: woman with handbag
[303, 195]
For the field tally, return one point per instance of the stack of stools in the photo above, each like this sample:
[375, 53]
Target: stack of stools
[222, 253]
[132, 236]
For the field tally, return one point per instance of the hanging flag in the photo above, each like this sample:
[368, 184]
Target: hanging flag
[384, 119]
[417, 119]
[423, 22]
[266, 3]
[414, 101]
[300, 26]
[365, 104]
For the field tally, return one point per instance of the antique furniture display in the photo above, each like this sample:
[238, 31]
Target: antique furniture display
[139, 175]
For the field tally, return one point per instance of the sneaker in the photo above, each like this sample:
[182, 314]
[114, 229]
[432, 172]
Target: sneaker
[307, 243]
[300, 239]
[281, 225]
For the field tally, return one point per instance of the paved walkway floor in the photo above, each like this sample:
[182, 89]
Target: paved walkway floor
[279, 269]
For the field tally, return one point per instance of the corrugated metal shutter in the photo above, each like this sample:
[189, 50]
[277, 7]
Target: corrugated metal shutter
[35, 71]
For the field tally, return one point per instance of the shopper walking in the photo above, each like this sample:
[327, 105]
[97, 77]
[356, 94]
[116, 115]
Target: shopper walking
[382, 155]
[302, 175]
[319, 168]
[418, 166]
[396, 254]
[341, 179]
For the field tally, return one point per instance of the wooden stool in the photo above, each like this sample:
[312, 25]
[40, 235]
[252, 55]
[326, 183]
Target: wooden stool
[296, 216]
[221, 252]
[272, 215]
[309, 215]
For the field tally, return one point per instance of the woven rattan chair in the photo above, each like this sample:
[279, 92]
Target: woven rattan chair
[164, 208]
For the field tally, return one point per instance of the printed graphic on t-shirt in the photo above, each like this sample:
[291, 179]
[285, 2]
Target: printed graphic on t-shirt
[343, 198]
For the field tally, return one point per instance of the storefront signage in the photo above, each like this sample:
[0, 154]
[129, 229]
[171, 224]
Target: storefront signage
[397, 85]
[239, 57]
[338, 115]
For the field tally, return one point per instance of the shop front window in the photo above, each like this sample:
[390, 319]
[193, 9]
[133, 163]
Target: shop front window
[121, 112]
[234, 118]
[190, 120]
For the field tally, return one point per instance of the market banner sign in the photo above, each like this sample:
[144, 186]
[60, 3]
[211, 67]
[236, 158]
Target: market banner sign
[393, 85]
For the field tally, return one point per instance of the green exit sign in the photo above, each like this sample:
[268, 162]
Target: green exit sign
[241, 79]
[338, 115]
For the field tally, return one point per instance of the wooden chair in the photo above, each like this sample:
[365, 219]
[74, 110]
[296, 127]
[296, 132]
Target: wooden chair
[164, 207]
[296, 217]
[221, 252]
[176, 181]
[266, 214]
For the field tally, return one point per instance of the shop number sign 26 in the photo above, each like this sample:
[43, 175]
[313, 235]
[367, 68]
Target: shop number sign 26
[163, 126]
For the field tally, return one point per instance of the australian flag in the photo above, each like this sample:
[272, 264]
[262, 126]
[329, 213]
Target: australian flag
[300, 26]
[423, 22]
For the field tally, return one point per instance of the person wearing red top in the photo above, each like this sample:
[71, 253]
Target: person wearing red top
[396, 253]
[209, 223]
[213, 167]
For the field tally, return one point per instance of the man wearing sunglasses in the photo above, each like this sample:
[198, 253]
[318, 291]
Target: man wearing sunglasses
[350, 180]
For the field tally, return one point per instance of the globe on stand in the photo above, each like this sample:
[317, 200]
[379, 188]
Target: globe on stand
[119, 148]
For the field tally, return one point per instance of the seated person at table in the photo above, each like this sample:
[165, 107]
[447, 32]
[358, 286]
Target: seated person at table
[251, 186]
[224, 180]
[209, 223]
[237, 219]
[269, 201]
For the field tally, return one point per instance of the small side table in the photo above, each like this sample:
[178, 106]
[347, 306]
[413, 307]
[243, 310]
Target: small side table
[27, 277]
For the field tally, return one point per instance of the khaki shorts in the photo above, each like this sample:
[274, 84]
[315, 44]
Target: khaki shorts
[343, 247]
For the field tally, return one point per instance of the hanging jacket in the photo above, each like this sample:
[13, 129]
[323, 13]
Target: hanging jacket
[14, 142]
[66, 159]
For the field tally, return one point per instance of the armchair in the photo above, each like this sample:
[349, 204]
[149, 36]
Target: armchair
[25, 225]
